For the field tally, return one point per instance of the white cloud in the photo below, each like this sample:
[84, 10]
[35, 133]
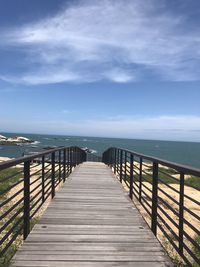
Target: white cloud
[95, 40]
[119, 75]
[45, 77]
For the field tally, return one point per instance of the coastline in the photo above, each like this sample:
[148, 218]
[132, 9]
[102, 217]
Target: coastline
[3, 159]
[185, 153]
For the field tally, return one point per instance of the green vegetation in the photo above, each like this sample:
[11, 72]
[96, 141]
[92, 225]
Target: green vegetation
[197, 251]
[6, 183]
[169, 171]
[15, 175]
[5, 260]
[194, 182]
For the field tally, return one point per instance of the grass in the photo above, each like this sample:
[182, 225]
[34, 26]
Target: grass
[169, 171]
[5, 260]
[196, 251]
[16, 174]
[194, 182]
[4, 185]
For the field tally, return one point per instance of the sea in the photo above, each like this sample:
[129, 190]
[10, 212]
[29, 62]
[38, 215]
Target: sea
[187, 153]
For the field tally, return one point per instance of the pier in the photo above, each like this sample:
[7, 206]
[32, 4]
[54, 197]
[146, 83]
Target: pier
[93, 217]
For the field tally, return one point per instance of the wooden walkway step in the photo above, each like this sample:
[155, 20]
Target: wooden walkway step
[91, 223]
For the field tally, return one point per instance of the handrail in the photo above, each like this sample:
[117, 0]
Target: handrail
[161, 187]
[10, 163]
[25, 185]
[185, 168]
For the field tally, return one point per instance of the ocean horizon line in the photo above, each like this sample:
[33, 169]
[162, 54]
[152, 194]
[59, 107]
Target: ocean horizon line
[93, 136]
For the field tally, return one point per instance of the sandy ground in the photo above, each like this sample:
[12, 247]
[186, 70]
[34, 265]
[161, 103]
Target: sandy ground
[188, 191]
[37, 186]
[192, 206]
[2, 159]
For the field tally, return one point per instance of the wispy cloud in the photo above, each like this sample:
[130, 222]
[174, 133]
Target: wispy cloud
[108, 40]
[160, 127]
[66, 111]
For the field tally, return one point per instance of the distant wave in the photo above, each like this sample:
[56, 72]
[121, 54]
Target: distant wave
[36, 142]
[93, 151]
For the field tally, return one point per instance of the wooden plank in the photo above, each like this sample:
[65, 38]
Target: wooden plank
[87, 264]
[91, 222]
[55, 257]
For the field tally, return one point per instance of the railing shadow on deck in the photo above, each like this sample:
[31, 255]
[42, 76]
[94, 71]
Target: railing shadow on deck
[25, 185]
[161, 187]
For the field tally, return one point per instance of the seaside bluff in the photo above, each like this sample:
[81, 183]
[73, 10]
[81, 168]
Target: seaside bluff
[14, 140]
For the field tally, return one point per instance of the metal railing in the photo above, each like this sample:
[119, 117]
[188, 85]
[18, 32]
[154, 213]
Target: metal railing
[170, 195]
[25, 184]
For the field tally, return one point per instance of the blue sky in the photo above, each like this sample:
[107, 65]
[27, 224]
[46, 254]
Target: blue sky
[101, 68]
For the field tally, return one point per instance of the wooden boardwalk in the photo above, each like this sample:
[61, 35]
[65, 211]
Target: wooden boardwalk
[91, 223]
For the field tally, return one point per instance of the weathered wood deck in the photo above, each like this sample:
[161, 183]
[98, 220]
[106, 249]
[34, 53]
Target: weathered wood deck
[91, 222]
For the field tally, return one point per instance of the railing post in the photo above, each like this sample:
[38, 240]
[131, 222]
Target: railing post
[26, 198]
[117, 161]
[125, 163]
[43, 174]
[115, 157]
[121, 163]
[71, 159]
[154, 198]
[107, 157]
[131, 177]
[140, 181]
[59, 163]
[74, 152]
[68, 161]
[111, 158]
[64, 164]
[53, 175]
[116, 152]
[181, 213]
[78, 155]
